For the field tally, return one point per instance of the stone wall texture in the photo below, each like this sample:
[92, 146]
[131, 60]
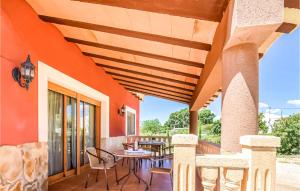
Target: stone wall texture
[24, 167]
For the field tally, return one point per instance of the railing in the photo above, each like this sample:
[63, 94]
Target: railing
[205, 147]
[165, 139]
[251, 170]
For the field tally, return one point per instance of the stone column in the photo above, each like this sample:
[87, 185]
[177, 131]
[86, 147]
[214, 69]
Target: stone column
[193, 122]
[239, 95]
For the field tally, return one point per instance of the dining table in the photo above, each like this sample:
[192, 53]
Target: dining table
[133, 156]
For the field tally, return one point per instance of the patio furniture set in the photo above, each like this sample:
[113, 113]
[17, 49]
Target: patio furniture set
[135, 153]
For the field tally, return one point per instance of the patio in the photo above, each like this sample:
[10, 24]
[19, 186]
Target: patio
[89, 63]
[76, 183]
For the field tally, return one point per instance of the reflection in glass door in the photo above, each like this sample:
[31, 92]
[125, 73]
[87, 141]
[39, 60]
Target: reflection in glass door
[55, 133]
[71, 133]
[87, 129]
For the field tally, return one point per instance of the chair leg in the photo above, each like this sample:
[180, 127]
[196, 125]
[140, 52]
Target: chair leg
[116, 172]
[151, 178]
[87, 180]
[171, 178]
[97, 175]
[106, 180]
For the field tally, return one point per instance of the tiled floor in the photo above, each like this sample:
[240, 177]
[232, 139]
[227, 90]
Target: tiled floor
[76, 183]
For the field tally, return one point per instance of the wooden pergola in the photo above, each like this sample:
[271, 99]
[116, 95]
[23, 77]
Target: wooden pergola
[169, 49]
[156, 48]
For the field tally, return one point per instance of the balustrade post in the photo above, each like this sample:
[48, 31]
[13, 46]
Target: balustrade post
[184, 171]
[261, 151]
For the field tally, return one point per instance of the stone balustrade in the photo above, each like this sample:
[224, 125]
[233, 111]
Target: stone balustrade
[253, 169]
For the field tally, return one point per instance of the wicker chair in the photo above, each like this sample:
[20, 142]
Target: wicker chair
[100, 159]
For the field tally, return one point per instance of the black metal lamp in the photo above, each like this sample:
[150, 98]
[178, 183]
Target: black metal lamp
[25, 71]
[121, 110]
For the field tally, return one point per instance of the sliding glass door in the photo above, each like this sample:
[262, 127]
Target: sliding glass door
[72, 126]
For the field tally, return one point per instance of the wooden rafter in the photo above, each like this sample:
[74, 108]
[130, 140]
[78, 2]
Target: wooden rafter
[286, 27]
[205, 9]
[152, 86]
[144, 66]
[147, 75]
[156, 91]
[158, 95]
[117, 75]
[292, 4]
[138, 53]
[129, 33]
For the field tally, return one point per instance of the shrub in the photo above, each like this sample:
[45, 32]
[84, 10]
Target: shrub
[288, 129]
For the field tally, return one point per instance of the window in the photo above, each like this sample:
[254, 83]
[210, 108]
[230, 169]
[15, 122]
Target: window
[68, 110]
[130, 121]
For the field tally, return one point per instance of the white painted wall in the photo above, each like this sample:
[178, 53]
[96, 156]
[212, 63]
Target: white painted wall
[48, 74]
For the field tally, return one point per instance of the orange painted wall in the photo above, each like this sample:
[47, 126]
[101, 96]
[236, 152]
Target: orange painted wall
[22, 33]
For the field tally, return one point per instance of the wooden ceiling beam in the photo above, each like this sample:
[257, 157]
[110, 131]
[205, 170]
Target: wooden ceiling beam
[129, 33]
[292, 4]
[156, 91]
[144, 66]
[286, 27]
[117, 75]
[147, 85]
[205, 9]
[147, 75]
[138, 53]
[158, 95]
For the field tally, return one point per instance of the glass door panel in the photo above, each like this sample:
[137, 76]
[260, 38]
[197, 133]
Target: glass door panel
[55, 133]
[81, 134]
[89, 127]
[71, 133]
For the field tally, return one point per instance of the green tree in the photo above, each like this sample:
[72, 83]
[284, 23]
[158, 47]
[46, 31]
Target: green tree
[206, 116]
[262, 125]
[178, 120]
[288, 129]
[216, 128]
[151, 127]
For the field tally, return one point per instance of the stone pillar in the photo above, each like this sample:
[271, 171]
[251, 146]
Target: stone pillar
[239, 95]
[193, 122]
[184, 162]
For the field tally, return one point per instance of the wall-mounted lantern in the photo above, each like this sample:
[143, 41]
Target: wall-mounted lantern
[121, 111]
[25, 71]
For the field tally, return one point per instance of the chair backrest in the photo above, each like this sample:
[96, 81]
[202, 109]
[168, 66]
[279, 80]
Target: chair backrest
[94, 161]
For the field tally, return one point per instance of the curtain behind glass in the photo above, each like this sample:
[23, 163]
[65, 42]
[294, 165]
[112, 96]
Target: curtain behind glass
[81, 134]
[55, 133]
[130, 123]
[89, 126]
[71, 133]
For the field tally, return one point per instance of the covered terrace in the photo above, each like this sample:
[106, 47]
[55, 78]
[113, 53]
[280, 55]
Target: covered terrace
[97, 58]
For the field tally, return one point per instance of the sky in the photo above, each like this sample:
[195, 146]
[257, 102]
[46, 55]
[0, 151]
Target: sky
[279, 85]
